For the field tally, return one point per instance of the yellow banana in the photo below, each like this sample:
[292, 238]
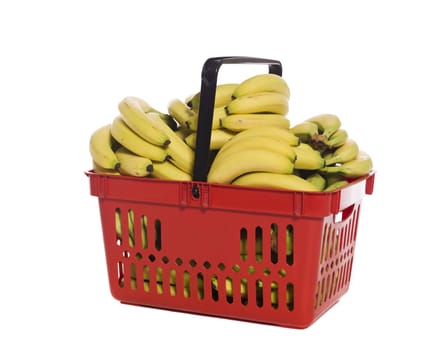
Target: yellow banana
[345, 153]
[265, 142]
[218, 138]
[276, 181]
[178, 110]
[239, 122]
[268, 131]
[218, 114]
[168, 171]
[224, 93]
[227, 168]
[327, 123]
[100, 147]
[100, 170]
[132, 164]
[262, 83]
[180, 154]
[262, 102]
[132, 112]
[134, 143]
[308, 158]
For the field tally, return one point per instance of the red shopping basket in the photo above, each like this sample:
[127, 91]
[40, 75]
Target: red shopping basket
[262, 255]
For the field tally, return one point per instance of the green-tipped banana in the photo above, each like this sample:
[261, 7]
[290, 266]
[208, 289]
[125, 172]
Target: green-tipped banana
[317, 180]
[332, 178]
[132, 164]
[178, 151]
[134, 143]
[337, 139]
[305, 131]
[262, 83]
[224, 93]
[262, 102]
[227, 168]
[308, 158]
[218, 138]
[178, 110]
[168, 171]
[327, 124]
[132, 112]
[239, 122]
[360, 166]
[100, 147]
[277, 181]
[264, 142]
[345, 153]
[336, 185]
[218, 114]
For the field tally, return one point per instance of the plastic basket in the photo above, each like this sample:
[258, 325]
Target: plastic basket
[270, 256]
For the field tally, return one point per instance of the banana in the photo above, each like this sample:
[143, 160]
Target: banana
[336, 185]
[317, 180]
[268, 131]
[132, 164]
[331, 178]
[133, 111]
[227, 168]
[178, 110]
[327, 124]
[262, 83]
[261, 102]
[100, 147]
[180, 154]
[265, 142]
[224, 93]
[100, 170]
[337, 139]
[357, 167]
[307, 158]
[345, 153]
[305, 131]
[134, 143]
[239, 122]
[276, 181]
[218, 114]
[131, 228]
[168, 171]
[218, 138]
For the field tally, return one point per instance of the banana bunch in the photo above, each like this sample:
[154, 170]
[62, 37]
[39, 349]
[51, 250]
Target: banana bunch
[343, 159]
[252, 142]
[141, 141]
[261, 100]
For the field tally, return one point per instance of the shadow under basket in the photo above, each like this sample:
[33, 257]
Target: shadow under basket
[261, 255]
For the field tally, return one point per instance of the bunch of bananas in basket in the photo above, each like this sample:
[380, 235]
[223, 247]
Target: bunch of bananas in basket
[252, 142]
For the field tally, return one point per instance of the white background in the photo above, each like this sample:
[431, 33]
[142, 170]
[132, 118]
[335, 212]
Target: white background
[64, 66]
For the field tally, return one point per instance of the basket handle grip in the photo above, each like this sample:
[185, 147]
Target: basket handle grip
[209, 76]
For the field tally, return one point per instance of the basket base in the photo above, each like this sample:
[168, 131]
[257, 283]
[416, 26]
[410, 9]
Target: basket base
[236, 319]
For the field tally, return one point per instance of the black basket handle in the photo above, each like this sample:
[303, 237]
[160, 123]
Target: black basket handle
[207, 96]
